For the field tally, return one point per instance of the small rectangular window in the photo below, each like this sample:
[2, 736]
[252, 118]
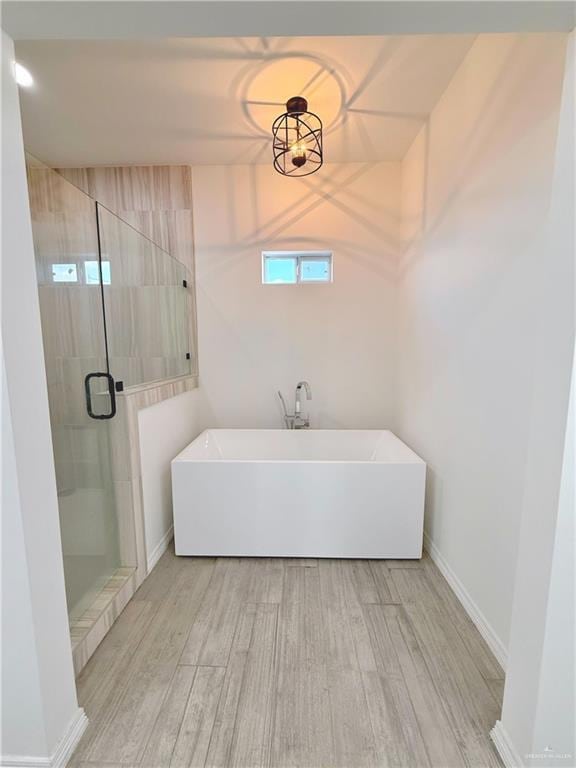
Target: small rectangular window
[280, 269]
[290, 267]
[92, 272]
[317, 269]
[64, 273]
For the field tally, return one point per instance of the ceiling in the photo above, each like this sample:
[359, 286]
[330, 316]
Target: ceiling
[138, 19]
[213, 100]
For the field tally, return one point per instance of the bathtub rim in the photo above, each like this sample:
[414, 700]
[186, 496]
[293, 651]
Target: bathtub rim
[414, 459]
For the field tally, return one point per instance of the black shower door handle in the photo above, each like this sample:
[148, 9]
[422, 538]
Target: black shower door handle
[111, 392]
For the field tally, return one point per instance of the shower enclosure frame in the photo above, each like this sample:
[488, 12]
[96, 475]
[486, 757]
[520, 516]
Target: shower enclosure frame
[143, 271]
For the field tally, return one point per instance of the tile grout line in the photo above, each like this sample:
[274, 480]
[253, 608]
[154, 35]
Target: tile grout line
[276, 673]
[274, 685]
[325, 634]
[277, 664]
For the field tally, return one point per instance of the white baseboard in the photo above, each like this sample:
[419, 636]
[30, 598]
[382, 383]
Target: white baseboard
[160, 548]
[493, 641]
[505, 748]
[62, 753]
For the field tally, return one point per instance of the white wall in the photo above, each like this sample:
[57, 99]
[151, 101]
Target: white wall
[473, 292]
[165, 429]
[38, 692]
[17, 619]
[555, 713]
[255, 339]
[538, 709]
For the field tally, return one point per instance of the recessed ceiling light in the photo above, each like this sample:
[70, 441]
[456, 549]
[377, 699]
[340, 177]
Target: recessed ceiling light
[23, 77]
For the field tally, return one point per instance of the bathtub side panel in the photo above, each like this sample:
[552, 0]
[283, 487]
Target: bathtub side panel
[275, 509]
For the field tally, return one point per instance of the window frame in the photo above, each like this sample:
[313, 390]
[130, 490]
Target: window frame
[298, 257]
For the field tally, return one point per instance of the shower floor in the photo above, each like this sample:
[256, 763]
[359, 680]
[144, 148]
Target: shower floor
[277, 662]
[89, 544]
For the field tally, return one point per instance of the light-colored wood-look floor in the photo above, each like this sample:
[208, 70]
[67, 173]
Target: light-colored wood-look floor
[299, 663]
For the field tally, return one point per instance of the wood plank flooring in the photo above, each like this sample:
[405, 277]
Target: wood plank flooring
[246, 663]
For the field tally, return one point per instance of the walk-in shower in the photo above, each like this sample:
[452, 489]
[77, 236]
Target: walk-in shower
[115, 311]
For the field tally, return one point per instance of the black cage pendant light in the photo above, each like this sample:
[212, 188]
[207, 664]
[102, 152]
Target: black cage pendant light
[297, 139]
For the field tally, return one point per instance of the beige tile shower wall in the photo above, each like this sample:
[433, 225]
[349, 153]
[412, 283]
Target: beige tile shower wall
[155, 200]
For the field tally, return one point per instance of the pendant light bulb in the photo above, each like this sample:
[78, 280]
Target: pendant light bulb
[298, 152]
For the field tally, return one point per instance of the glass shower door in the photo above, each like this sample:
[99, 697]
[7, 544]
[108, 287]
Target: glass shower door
[80, 389]
[149, 305]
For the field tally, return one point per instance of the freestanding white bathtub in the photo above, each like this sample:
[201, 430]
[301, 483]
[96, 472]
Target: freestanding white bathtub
[298, 493]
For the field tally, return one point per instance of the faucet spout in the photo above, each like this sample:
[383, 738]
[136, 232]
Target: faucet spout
[306, 386]
[302, 385]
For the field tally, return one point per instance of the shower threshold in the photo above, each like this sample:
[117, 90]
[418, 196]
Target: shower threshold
[90, 627]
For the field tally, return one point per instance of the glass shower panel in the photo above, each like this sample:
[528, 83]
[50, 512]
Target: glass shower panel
[66, 248]
[148, 298]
